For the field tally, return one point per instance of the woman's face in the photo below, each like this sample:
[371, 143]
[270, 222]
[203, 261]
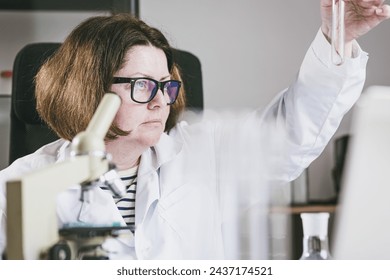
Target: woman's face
[145, 122]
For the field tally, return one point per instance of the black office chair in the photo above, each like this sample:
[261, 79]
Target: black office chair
[28, 132]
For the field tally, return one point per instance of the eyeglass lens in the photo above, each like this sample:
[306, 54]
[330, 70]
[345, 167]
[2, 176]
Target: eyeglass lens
[144, 90]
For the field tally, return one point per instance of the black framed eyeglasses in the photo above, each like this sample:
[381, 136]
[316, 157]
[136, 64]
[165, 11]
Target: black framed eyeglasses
[143, 90]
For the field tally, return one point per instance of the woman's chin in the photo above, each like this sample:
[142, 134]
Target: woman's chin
[151, 139]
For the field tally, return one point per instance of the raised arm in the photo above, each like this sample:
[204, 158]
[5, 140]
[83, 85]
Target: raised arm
[309, 112]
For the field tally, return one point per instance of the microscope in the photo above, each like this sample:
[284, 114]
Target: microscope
[32, 230]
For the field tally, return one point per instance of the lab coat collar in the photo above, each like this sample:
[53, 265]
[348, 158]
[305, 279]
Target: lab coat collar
[64, 151]
[164, 151]
[148, 180]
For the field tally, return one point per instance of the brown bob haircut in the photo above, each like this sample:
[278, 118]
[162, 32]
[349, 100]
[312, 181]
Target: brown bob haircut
[71, 84]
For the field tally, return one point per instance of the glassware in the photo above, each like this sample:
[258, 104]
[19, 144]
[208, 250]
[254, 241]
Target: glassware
[315, 236]
[338, 32]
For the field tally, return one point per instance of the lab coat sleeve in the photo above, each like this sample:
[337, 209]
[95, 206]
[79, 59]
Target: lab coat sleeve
[308, 113]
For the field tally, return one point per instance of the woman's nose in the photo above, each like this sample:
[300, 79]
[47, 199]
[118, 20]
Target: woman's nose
[158, 100]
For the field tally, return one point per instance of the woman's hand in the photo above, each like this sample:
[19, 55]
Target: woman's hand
[360, 17]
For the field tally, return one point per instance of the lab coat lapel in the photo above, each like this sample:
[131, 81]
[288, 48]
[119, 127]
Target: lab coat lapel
[148, 181]
[147, 187]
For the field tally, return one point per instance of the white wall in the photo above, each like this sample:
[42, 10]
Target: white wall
[241, 44]
[18, 28]
[251, 49]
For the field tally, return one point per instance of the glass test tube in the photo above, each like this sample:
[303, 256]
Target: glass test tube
[338, 32]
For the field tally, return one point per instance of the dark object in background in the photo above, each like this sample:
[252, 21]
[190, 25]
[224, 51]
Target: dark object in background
[300, 189]
[340, 152]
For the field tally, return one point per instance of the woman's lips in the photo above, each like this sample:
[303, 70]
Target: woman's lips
[153, 122]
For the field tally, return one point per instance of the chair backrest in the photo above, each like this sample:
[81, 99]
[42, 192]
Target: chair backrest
[28, 132]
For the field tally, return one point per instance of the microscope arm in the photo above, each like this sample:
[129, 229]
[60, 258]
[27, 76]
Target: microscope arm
[31, 199]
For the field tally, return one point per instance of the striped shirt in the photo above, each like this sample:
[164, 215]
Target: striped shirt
[126, 203]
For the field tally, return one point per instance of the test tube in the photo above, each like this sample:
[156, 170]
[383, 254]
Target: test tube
[338, 32]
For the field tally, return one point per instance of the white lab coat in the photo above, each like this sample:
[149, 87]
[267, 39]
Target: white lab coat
[180, 200]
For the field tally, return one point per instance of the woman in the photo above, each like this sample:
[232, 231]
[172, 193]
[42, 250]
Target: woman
[174, 171]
